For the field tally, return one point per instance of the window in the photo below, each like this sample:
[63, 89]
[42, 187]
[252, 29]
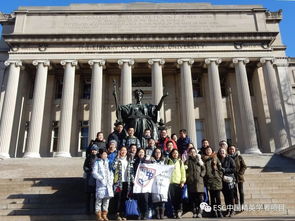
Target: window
[54, 138]
[223, 85]
[58, 88]
[228, 133]
[257, 132]
[31, 92]
[86, 89]
[293, 81]
[27, 127]
[200, 132]
[141, 81]
[84, 135]
[197, 85]
[250, 84]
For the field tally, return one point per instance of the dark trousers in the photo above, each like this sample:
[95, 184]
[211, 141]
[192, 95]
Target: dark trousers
[215, 199]
[239, 187]
[90, 202]
[120, 199]
[229, 196]
[175, 196]
[195, 199]
[143, 203]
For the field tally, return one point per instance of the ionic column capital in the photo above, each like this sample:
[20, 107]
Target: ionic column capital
[45, 63]
[244, 60]
[217, 61]
[130, 62]
[264, 60]
[156, 60]
[281, 62]
[74, 63]
[181, 61]
[99, 62]
[17, 63]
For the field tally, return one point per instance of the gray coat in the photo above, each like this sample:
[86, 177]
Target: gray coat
[104, 179]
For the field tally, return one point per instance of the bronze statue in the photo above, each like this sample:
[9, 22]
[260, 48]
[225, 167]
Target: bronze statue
[138, 116]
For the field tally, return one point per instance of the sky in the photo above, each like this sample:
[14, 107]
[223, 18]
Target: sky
[287, 24]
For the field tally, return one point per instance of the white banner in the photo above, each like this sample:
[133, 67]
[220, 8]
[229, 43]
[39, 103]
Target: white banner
[153, 178]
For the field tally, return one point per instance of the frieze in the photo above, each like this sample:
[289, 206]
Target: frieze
[139, 23]
[88, 47]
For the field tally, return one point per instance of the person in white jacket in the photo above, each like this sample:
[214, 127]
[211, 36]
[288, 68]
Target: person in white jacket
[104, 185]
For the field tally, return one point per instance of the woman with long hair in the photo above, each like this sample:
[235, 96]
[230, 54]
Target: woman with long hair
[159, 200]
[177, 182]
[195, 173]
[123, 181]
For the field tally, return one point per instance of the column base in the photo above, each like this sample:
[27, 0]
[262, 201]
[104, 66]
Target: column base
[280, 150]
[4, 156]
[62, 154]
[31, 155]
[253, 151]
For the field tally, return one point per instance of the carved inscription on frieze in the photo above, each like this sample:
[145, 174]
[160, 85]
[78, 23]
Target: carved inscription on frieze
[139, 23]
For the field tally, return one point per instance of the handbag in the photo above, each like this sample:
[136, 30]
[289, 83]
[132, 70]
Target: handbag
[228, 179]
[131, 208]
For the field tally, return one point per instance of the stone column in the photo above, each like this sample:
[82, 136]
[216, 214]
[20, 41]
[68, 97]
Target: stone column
[35, 130]
[215, 101]
[188, 99]
[288, 102]
[8, 110]
[126, 80]
[246, 111]
[157, 82]
[274, 103]
[67, 100]
[95, 97]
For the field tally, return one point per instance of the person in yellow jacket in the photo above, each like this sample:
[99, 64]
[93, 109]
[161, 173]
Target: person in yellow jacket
[177, 182]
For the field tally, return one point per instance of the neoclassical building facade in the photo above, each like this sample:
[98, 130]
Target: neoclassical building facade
[224, 68]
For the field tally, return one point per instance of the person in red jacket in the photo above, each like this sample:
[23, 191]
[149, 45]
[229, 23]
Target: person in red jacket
[164, 138]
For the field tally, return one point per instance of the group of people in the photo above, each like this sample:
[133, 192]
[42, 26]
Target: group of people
[199, 174]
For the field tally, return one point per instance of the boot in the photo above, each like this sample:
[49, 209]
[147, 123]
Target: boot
[220, 214]
[215, 214]
[105, 215]
[199, 214]
[232, 213]
[194, 213]
[179, 214]
[98, 216]
[118, 217]
[158, 215]
[162, 212]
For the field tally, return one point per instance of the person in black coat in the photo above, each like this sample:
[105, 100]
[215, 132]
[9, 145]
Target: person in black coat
[240, 171]
[228, 168]
[90, 182]
[118, 135]
[99, 142]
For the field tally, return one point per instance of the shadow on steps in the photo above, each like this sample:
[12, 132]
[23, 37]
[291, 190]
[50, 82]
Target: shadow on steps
[54, 196]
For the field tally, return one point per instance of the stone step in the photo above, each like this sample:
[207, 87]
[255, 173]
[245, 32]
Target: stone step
[268, 190]
[272, 195]
[269, 200]
[41, 205]
[49, 218]
[42, 211]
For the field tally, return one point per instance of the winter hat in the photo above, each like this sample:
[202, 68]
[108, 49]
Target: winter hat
[113, 142]
[94, 147]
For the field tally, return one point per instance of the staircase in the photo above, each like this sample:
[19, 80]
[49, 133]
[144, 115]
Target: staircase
[53, 188]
